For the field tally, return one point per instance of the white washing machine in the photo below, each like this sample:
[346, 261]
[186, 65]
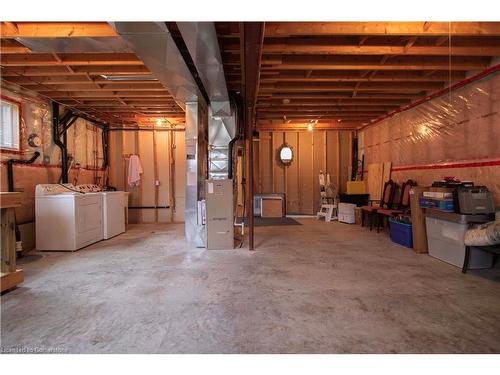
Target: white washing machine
[66, 219]
[113, 209]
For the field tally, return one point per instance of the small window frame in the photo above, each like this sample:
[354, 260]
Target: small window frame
[19, 149]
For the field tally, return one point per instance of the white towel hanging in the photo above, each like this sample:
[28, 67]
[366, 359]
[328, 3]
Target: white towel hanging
[134, 171]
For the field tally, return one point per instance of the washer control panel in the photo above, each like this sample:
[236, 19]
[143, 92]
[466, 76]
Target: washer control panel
[88, 188]
[51, 189]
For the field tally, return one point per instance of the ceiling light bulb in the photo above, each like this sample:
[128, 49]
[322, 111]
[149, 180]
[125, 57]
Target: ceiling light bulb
[309, 127]
[158, 122]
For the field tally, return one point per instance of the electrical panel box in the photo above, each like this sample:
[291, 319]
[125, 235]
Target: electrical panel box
[219, 214]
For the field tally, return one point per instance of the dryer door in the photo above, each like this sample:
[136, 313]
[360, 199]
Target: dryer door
[89, 221]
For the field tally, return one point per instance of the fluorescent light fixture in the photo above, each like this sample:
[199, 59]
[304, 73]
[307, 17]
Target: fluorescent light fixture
[144, 77]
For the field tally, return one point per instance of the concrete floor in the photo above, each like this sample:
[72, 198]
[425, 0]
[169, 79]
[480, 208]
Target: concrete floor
[316, 288]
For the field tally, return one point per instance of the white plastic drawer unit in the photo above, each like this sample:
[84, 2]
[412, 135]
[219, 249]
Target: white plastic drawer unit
[445, 240]
[346, 213]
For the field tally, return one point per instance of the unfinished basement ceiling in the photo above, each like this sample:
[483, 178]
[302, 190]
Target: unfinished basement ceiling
[67, 62]
[230, 43]
[355, 72]
[338, 72]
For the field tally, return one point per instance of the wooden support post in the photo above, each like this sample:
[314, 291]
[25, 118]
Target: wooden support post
[172, 146]
[338, 160]
[155, 172]
[253, 35]
[249, 182]
[10, 276]
[8, 240]
[139, 188]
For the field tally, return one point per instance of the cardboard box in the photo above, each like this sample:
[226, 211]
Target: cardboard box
[272, 207]
[356, 187]
[357, 215]
[418, 220]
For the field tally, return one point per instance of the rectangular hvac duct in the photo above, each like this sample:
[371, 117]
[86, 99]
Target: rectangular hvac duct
[196, 171]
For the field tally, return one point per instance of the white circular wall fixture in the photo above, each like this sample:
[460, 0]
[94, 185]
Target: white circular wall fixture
[285, 154]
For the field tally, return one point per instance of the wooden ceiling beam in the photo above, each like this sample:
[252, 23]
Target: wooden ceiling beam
[321, 109]
[8, 46]
[363, 102]
[341, 86]
[90, 86]
[335, 95]
[106, 94]
[56, 30]
[125, 110]
[125, 106]
[456, 66]
[61, 79]
[334, 125]
[286, 29]
[76, 70]
[409, 49]
[253, 33]
[278, 116]
[397, 76]
[442, 40]
[48, 59]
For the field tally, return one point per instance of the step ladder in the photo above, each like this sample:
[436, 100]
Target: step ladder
[328, 211]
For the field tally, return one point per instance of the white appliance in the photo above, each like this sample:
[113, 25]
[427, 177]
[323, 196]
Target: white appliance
[113, 209]
[65, 219]
[346, 213]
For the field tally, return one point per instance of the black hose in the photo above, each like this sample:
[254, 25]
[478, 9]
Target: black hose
[57, 141]
[10, 180]
[105, 139]
[10, 169]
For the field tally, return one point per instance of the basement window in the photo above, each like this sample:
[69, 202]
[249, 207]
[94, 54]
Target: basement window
[9, 131]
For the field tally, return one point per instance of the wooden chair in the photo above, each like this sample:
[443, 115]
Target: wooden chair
[402, 207]
[384, 203]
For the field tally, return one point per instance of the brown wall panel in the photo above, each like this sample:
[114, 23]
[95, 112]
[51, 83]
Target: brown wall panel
[332, 154]
[319, 163]
[292, 175]
[265, 177]
[278, 169]
[345, 157]
[163, 174]
[313, 151]
[306, 173]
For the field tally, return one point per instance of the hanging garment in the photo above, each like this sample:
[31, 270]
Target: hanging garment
[134, 171]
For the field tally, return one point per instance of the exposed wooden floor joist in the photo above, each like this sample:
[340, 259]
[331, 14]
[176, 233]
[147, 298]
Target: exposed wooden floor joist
[373, 68]
[115, 87]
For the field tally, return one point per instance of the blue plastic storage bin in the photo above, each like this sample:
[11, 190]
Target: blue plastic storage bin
[401, 233]
[438, 204]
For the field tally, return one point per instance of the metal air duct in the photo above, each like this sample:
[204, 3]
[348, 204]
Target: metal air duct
[201, 41]
[155, 46]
